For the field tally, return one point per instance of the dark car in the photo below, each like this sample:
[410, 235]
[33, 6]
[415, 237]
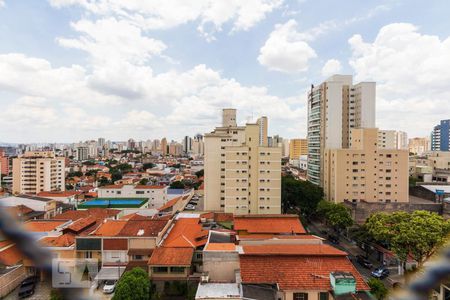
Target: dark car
[363, 261]
[334, 239]
[27, 287]
[381, 273]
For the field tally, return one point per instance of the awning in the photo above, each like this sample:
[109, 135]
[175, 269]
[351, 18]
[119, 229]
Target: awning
[147, 251]
[110, 273]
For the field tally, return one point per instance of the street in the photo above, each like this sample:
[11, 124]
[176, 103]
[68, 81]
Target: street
[352, 250]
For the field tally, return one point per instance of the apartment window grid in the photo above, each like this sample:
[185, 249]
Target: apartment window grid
[300, 296]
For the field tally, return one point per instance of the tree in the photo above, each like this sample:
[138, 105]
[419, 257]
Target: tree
[148, 166]
[377, 288]
[200, 173]
[337, 215]
[418, 233]
[75, 174]
[300, 194]
[412, 181]
[103, 181]
[143, 181]
[134, 284]
[177, 185]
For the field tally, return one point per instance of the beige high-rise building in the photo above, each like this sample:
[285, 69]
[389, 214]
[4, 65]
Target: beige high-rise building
[366, 172]
[242, 174]
[334, 108]
[392, 139]
[175, 149]
[163, 146]
[419, 146]
[38, 171]
[297, 148]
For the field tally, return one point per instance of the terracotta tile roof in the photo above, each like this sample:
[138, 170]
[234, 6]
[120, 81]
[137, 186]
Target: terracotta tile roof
[130, 228]
[110, 228]
[135, 216]
[81, 224]
[149, 187]
[115, 244]
[98, 213]
[65, 240]
[223, 217]
[277, 236]
[171, 257]
[220, 247]
[59, 194]
[112, 186]
[170, 203]
[298, 250]
[11, 256]
[146, 251]
[43, 225]
[19, 210]
[147, 228]
[5, 243]
[297, 272]
[269, 224]
[187, 232]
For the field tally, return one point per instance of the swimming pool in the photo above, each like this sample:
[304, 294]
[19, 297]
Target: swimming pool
[113, 203]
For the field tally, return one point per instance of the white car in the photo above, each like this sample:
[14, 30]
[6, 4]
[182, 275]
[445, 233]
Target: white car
[190, 207]
[109, 287]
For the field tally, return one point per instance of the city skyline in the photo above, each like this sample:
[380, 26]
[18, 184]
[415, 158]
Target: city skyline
[77, 70]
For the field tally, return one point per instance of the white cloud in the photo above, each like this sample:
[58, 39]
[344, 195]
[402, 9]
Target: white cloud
[331, 67]
[211, 15]
[412, 71]
[285, 50]
[109, 40]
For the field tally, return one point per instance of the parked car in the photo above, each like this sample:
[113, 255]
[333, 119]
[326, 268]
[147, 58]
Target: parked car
[334, 239]
[109, 287]
[27, 287]
[363, 261]
[190, 207]
[381, 272]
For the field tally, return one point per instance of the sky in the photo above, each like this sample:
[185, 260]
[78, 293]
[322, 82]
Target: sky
[74, 70]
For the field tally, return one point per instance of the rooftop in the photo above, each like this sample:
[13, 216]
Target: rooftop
[278, 224]
[220, 247]
[297, 272]
[218, 290]
[186, 232]
[43, 225]
[163, 256]
[295, 249]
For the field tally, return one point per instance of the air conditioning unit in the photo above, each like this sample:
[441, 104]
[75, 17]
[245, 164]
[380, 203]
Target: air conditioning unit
[204, 278]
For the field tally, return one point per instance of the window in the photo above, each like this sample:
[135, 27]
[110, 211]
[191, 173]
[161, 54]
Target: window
[323, 296]
[160, 269]
[300, 296]
[139, 192]
[176, 269]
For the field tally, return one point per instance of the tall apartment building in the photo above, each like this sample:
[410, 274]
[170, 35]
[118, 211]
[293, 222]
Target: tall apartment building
[198, 145]
[334, 108]
[175, 149]
[366, 172]
[4, 161]
[187, 144]
[419, 146]
[297, 148]
[81, 152]
[38, 171]
[440, 137]
[392, 139]
[163, 146]
[242, 173]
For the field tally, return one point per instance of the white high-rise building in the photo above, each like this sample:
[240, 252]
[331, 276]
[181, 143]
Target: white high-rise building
[392, 139]
[334, 108]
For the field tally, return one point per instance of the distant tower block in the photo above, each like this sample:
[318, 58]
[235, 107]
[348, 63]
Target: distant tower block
[229, 117]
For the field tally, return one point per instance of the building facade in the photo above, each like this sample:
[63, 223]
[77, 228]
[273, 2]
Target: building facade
[440, 137]
[366, 172]
[38, 171]
[297, 148]
[242, 174]
[392, 139]
[334, 108]
[419, 146]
